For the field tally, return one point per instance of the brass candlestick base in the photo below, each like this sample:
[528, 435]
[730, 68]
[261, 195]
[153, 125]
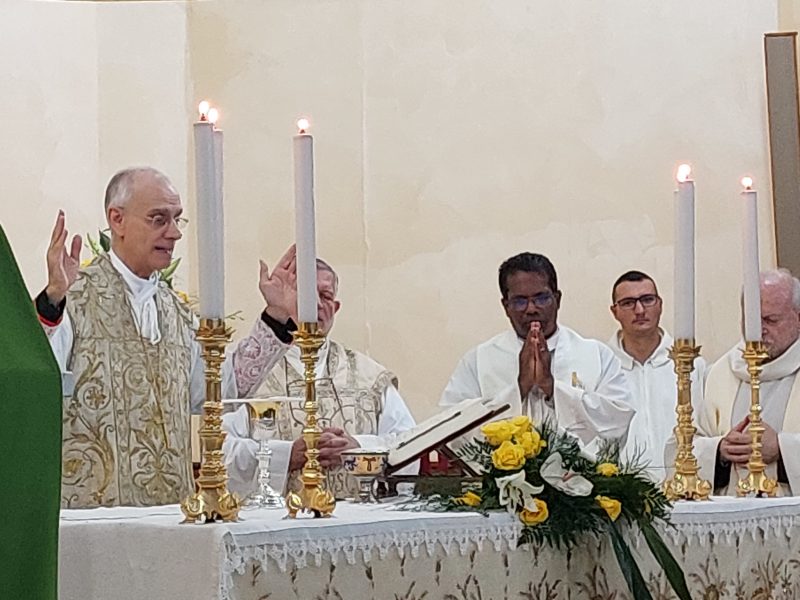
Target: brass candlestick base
[312, 497]
[756, 483]
[685, 483]
[213, 502]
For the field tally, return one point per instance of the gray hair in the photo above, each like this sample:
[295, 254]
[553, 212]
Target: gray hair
[120, 188]
[323, 266]
[785, 277]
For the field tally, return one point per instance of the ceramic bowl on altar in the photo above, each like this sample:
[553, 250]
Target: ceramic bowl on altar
[360, 461]
[366, 466]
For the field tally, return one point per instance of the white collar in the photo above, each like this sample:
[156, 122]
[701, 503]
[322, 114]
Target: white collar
[136, 284]
[659, 357]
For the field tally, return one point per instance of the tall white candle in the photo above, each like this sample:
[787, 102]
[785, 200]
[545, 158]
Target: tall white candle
[750, 275]
[305, 233]
[684, 255]
[210, 227]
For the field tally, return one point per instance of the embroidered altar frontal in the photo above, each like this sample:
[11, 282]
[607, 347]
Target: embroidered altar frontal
[729, 548]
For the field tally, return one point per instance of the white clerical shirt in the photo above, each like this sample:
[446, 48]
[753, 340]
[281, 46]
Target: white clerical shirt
[654, 395]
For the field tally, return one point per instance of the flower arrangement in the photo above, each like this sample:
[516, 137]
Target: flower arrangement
[560, 494]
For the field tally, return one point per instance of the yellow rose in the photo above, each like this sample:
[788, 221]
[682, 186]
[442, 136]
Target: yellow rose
[607, 469]
[468, 499]
[508, 456]
[531, 442]
[86, 262]
[612, 507]
[529, 517]
[521, 424]
[498, 432]
[184, 297]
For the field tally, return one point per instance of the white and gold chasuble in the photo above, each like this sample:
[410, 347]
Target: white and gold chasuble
[126, 434]
[352, 400]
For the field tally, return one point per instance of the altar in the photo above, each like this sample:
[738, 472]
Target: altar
[729, 548]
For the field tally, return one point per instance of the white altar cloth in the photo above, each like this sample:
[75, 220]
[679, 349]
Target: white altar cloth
[133, 553]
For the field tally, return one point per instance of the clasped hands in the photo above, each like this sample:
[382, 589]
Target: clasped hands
[534, 363]
[332, 442]
[736, 446]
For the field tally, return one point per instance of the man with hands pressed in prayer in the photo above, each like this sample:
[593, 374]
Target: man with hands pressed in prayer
[542, 368]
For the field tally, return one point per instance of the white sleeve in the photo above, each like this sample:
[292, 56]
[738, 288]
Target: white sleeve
[464, 383]
[604, 412]
[197, 379]
[789, 444]
[61, 337]
[395, 418]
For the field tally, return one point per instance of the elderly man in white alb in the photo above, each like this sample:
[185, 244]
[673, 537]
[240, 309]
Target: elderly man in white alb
[129, 341]
[722, 445]
[542, 368]
[643, 350]
[359, 405]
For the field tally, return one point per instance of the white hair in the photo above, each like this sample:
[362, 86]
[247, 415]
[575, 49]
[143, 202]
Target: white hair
[785, 277]
[120, 188]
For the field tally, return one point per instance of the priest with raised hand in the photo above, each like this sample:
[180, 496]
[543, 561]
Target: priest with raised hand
[359, 404]
[542, 368]
[129, 342]
[723, 442]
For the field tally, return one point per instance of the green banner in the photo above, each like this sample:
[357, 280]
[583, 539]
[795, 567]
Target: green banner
[30, 436]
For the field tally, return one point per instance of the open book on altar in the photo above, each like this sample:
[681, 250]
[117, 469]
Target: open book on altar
[441, 428]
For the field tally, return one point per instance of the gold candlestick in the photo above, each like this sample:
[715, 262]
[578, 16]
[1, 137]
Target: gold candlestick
[312, 497]
[685, 483]
[213, 501]
[756, 483]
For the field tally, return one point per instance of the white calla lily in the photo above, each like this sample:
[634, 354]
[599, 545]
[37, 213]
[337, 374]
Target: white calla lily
[569, 482]
[514, 492]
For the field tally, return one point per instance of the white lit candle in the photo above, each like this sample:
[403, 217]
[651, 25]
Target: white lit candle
[305, 234]
[210, 225]
[750, 273]
[684, 255]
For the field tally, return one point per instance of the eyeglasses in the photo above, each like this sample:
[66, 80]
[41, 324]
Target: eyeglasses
[646, 300]
[160, 221]
[520, 303]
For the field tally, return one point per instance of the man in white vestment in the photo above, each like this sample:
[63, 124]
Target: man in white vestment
[642, 347]
[129, 341]
[722, 444]
[359, 405]
[542, 368]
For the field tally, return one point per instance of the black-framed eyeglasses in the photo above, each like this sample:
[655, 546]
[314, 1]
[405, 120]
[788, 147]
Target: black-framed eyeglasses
[520, 303]
[646, 300]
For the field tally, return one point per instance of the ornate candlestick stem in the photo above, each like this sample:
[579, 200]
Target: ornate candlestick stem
[685, 483]
[312, 497]
[756, 483]
[213, 501]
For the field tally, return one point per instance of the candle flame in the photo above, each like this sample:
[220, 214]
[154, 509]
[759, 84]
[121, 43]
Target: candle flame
[203, 108]
[747, 183]
[302, 125]
[684, 171]
[213, 115]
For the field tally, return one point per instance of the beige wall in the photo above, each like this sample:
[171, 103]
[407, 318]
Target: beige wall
[449, 135]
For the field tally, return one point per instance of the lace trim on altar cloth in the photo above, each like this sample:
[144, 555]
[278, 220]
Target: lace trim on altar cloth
[696, 524]
[313, 552]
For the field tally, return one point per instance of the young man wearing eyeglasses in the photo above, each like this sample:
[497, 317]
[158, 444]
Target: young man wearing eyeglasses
[129, 342]
[643, 350]
[541, 367]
